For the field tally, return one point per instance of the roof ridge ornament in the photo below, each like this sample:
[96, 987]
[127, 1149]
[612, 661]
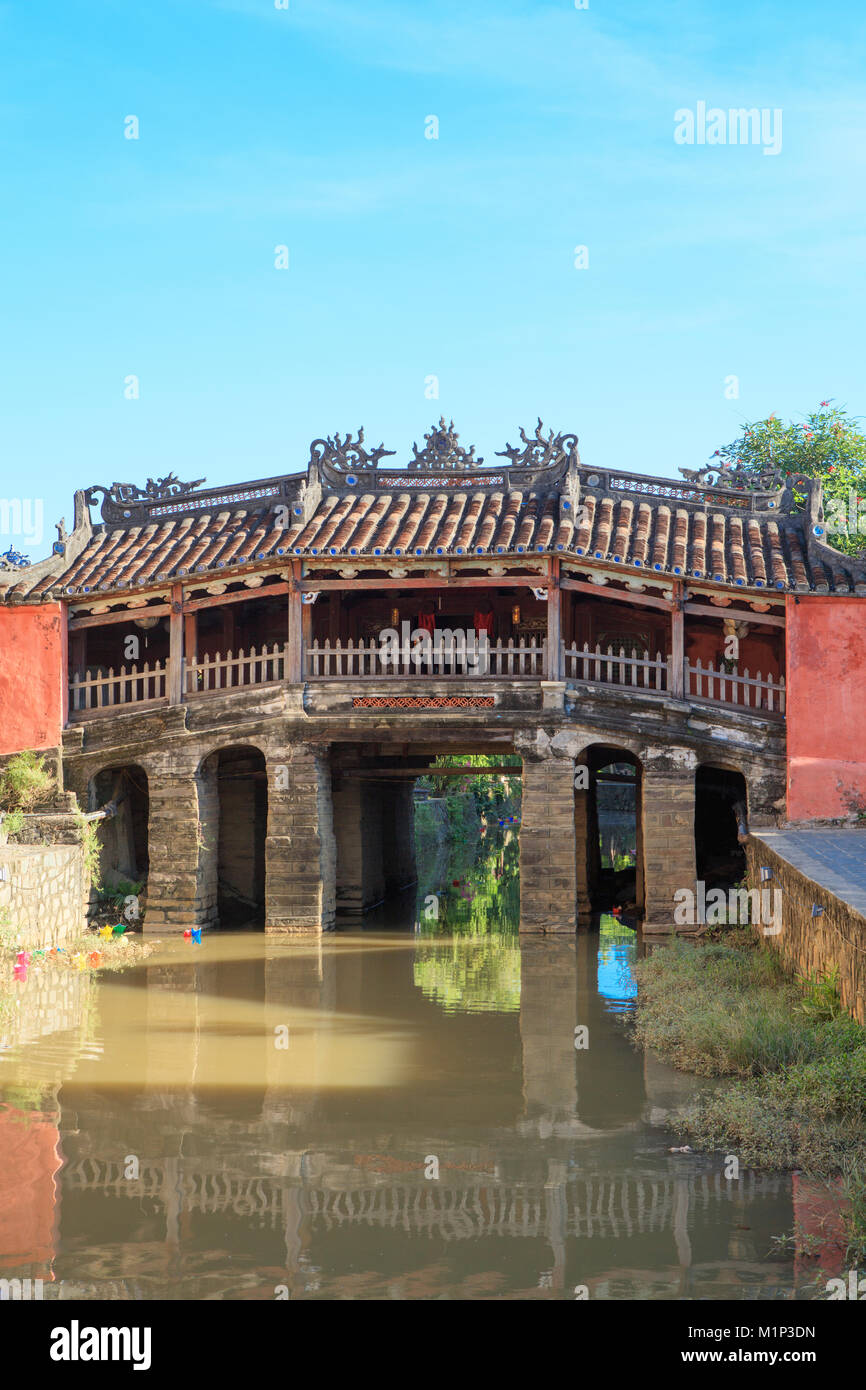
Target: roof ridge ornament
[442, 453]
[724, 476]
[119, 499]
[540, 451]
[347, 455]
[13, 559]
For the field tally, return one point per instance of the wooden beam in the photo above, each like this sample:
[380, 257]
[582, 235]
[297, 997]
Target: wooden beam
[295, 662]
[175, 646]
[709, 610]
[413, 773]
[125, 615]
[192, 605]
[458, 581]
[623, 596]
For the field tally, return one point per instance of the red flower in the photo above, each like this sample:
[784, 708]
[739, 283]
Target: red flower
[831, 470]
[825, 402]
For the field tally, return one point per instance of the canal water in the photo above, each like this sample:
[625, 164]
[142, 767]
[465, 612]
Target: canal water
[397, 1111]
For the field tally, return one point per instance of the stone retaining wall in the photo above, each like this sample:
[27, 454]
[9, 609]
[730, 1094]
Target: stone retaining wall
[42, 893]
[806, 943]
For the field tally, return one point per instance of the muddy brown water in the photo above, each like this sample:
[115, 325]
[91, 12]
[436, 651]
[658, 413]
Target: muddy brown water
[397, 1111]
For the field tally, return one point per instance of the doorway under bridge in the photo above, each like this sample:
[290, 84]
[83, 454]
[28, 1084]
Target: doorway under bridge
[374, 807]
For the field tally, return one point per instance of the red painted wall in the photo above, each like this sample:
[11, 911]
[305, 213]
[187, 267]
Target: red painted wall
[29, 1162]
[826, 680]
[31, 677]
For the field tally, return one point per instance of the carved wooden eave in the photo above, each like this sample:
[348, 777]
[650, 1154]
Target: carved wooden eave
[540, 504]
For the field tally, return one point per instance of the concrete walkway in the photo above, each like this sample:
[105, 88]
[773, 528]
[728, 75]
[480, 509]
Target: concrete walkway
[835, 859]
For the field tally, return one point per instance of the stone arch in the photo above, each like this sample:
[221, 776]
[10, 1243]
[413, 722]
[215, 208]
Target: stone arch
[232, 796]
[124, 836]
[721, 819]
[602, 782]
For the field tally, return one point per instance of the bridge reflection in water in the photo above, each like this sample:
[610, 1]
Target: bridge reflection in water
[202, 1160]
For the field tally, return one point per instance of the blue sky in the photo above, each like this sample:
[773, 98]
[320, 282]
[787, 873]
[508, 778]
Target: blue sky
[411, 257]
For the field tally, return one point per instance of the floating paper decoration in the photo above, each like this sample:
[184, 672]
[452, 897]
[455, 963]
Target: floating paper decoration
[187, 936]
[19, 972]
[95, 958]
[119, 929]
[196, 936]
[106, 932]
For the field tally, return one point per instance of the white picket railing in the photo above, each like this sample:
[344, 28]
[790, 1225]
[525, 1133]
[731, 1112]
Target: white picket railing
[616, 668]
[99, 689]
[448, 656]
[723, 687]
[216, 673]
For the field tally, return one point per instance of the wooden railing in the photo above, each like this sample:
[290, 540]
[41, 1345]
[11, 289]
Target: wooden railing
[723, 687]
[99, 691]
[233, 671]
[617, 668]
[718, 686]
[449, 657]
[104, 690]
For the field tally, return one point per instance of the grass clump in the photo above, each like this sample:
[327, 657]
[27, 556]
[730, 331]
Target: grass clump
[797, 1063]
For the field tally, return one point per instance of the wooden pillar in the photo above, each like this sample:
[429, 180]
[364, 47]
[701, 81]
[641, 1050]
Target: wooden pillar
[335, 613]
[76, 662]
[175, 648]
[64, 666]
[295, 635]
[190, 645]
[678, 643]
[554, 623]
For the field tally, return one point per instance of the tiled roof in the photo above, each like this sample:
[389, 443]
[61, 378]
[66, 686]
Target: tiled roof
[717, 544]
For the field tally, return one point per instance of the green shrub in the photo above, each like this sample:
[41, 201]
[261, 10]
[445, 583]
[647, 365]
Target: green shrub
[89, 840]
[25, 782]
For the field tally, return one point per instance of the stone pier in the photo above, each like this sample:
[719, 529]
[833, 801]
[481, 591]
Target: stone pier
[180, 891]
[667, 828]
[374, 827]
[548, 867]
[398, 836]
[300, 849]
[358, 828]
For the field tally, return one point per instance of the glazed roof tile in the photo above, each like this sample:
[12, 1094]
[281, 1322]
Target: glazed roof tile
[714, 543]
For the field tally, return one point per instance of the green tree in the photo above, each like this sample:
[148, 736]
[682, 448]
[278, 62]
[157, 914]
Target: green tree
[829, 445]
